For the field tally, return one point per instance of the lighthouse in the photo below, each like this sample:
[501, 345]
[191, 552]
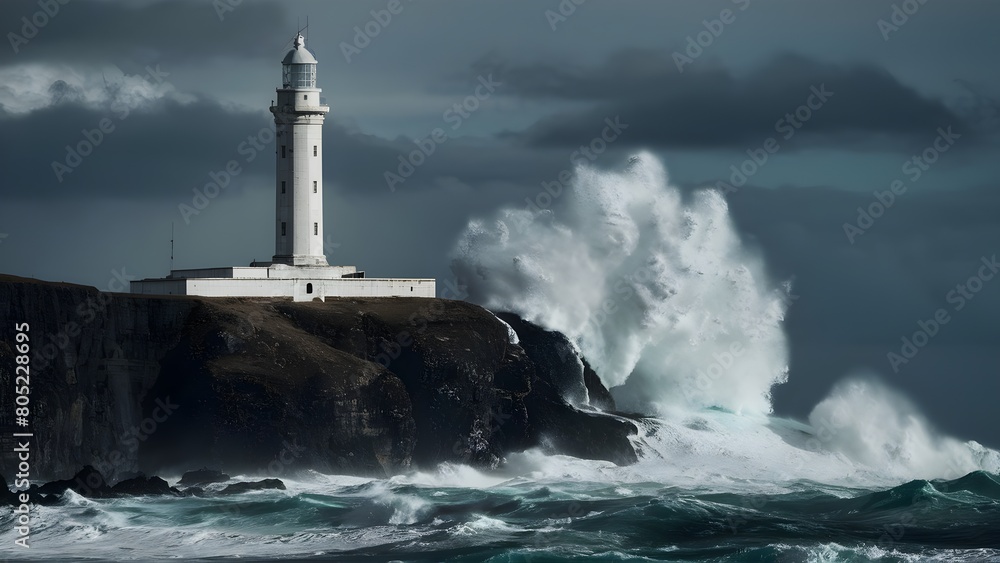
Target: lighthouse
[299, 269]
[298, 118]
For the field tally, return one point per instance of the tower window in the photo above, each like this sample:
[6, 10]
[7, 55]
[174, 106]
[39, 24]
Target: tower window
[282, 186]
[315, 150]
[282, 228]
[315, 186]
[306, 97]
[282, 151]
[309, 288]
[315, 228]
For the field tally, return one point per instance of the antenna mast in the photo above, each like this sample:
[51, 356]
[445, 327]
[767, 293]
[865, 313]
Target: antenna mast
[171, 246]
[305, 29]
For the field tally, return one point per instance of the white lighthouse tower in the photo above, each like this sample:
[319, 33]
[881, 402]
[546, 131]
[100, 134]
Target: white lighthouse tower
[298, 117]
[299, 269]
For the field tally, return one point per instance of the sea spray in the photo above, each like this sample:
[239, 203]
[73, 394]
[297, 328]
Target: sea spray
[675, 314]
[880, 428]
[656, 291]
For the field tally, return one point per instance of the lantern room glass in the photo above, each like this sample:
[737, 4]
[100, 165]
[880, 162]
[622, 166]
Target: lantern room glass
[298, 75]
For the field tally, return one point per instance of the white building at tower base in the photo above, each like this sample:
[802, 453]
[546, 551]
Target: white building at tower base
[301, 283]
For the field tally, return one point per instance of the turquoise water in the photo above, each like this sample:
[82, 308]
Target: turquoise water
[956, 520]
[715, 487]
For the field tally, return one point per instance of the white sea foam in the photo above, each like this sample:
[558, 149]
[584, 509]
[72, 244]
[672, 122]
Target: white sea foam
[880, 428]
[680, 320]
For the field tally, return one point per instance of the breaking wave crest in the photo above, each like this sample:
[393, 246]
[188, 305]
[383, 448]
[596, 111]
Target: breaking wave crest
[658, 292]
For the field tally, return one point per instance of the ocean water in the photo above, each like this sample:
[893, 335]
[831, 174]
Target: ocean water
[696, 495]
[681, 321]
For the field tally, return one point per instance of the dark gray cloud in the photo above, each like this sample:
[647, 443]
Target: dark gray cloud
[100, 32]
[709, 107]
[166, 149]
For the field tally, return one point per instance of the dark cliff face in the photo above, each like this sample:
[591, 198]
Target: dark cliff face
[555, 355]
[562, 375]
[364, 386]
[459, 371]
[94, 356]
[260, 394]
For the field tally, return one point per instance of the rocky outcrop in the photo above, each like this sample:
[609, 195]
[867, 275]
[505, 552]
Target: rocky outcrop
[202, 476]
[133, 384]
[87, 482]
[563, 376]
[143, 485]
[553, 355]
[568, 372]
[262, 485]
[90, 483]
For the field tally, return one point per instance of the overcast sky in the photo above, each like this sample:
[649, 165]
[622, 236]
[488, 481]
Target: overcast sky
[182, 88]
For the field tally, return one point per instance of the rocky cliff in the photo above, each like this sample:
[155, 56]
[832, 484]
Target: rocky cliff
[364, 386]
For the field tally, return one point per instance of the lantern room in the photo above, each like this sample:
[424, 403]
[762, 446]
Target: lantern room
[298, 68]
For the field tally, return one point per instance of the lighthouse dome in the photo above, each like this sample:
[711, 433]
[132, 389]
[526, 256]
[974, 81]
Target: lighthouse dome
[299, 54]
